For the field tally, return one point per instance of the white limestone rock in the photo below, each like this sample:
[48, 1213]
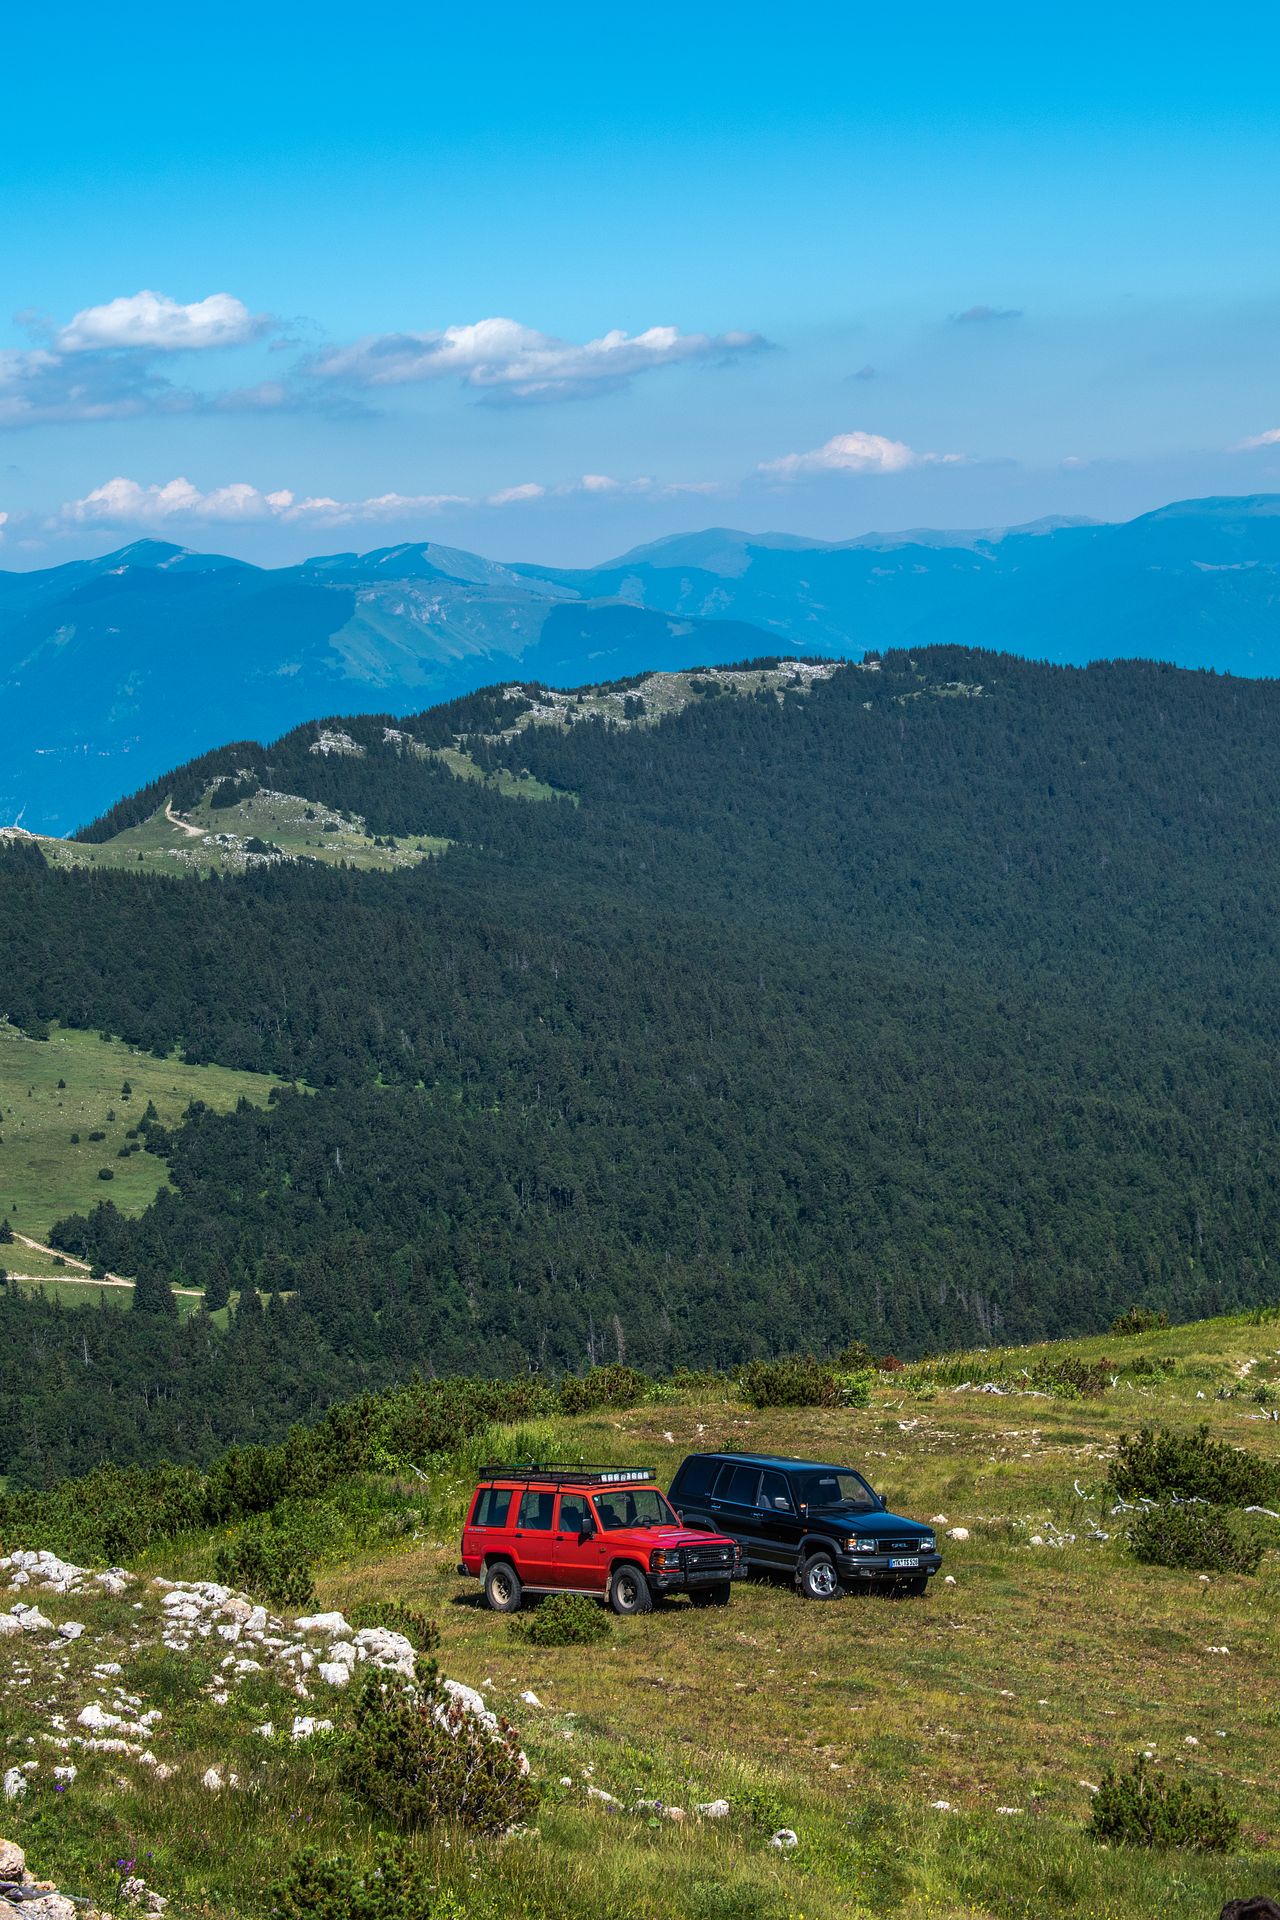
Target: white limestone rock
[97, 1719]
[390, 1651]
[331, 1623]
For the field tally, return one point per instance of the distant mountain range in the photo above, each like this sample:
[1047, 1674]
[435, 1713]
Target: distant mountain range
[112, 669]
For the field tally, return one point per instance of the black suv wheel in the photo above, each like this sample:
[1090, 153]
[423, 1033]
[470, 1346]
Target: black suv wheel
[629, 1592]
[502, 1587]
[820, 1578]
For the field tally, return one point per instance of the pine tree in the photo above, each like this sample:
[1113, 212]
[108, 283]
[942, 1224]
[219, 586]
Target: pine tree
[153, 1294]
[217, 1288]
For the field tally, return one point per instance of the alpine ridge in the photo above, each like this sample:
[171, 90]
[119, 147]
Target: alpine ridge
[113, 669]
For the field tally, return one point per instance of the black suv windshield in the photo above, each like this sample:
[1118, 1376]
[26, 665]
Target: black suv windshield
[837, 1487]
[633, 1507]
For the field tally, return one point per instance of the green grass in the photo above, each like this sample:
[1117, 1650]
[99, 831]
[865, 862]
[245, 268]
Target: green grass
[845, 1722]
[301, 829]
[43, 1174]
[516, 786]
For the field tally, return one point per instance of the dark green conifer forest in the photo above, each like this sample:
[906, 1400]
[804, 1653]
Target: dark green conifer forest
[933, 1004]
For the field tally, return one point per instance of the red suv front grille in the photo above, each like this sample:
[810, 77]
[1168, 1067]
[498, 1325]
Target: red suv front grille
[698, 1559]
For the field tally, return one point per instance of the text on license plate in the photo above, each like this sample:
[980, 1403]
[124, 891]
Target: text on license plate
[913, 1562]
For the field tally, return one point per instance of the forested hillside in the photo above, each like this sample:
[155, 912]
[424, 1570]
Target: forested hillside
[924, 1002]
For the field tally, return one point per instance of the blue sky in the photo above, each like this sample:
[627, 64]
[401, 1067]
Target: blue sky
[850, 268]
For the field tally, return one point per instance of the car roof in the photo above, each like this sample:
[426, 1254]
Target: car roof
[777, 1460]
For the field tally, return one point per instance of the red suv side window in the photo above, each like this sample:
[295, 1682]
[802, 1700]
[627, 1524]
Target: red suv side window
[536, 1509]
[573, 1512]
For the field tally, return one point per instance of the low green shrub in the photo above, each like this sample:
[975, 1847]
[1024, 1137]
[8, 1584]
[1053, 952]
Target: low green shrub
[422, 1634]
[1156, 1462]
[1152, 1365]
[564, 1620]
[1071, 1378]
[416, 1756]
[801, 1382]
[612, 1386]
[329, 1889]
[1203, 1539]
[857, 1357]
[273, 1563]
[1140, 1320]
[1141, 1808]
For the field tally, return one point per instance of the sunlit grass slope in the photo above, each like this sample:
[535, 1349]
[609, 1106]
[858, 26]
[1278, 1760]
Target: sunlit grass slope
[74, 1083]
[934, 1757]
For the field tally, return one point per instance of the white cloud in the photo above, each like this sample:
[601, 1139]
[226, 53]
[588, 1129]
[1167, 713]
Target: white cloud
[160, 325]
[504, 357]
[856, 453]
[122, 502]
[511, 496]
[1271, 438]
[37, 386]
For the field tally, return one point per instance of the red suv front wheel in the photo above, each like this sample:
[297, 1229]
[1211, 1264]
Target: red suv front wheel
[629, 1591]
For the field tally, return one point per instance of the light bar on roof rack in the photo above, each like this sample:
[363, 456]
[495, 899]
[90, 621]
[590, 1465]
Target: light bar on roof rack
[580, 1476]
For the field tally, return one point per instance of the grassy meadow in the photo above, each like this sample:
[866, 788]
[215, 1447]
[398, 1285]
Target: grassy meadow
[212, 839]
[934, 1757]
[73, 1083]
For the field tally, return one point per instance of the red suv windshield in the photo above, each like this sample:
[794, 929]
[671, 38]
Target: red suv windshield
[633, 1507]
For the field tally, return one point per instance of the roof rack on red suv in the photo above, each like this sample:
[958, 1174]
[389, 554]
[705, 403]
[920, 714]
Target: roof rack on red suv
[560, 1475]
[603, 1530]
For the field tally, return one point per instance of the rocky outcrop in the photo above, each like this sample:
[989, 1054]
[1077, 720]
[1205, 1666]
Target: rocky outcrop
[23, 1897]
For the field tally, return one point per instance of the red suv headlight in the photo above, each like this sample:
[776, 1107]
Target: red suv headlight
[664, 1560]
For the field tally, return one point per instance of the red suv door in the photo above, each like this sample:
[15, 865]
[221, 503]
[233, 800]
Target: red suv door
[532, 1538]
[579, 1554]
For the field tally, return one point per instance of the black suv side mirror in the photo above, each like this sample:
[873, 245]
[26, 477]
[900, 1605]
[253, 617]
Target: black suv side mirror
[587, 1530]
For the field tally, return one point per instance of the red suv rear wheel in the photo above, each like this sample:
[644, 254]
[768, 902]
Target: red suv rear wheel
[502, 1587]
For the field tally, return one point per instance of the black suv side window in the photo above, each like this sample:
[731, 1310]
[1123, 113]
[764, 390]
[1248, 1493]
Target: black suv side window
[536, 1510]
[696, 1477]
[739, 1485]
[573, 1512]
[775, 1494]
[492, 1507]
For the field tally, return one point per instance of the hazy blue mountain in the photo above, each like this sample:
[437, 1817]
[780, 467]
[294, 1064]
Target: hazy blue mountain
[114, 668]
[1194, 583]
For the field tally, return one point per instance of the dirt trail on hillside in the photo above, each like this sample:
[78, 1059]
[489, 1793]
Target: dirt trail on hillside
[82, 1276]
[195, 833]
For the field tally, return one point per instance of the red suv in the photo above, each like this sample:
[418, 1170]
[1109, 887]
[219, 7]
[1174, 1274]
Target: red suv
[606, 1531]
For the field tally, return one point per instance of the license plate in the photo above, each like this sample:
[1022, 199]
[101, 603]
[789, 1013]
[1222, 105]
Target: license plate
[914, 1562]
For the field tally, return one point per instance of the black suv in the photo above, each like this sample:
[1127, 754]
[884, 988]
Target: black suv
[822, 1523]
